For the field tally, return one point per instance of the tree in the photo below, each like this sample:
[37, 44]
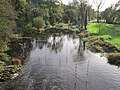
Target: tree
[112, 14]
[91, 13]
[52, 9]
[83, 13]
[70, 14]
[86, 19]
[8, 18]
[55, 10]
[99, 4]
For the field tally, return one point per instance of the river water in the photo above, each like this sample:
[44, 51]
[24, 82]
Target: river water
[58, 62]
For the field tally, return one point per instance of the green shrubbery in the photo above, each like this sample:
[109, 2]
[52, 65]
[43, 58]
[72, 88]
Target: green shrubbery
[4, 57]
[38, 22]
[30, 29]
[2, 63]
[103, 39]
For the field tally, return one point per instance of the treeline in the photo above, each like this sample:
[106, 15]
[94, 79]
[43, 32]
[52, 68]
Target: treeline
[37, 14]
[112, 14]
[79, 12]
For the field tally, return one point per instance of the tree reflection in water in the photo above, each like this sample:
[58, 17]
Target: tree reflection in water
[20, 48]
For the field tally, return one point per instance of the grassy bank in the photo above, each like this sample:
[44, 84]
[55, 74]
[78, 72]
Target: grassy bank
[109, 32]
[105, 38]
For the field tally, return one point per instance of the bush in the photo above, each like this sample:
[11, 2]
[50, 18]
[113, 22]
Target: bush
[38, 22]
[3, 46]
[30, 28]
[4, 57]
[2, 63]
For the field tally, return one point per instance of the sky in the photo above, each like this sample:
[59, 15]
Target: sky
[107, 3]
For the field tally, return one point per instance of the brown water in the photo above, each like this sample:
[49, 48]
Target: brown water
[58, 62]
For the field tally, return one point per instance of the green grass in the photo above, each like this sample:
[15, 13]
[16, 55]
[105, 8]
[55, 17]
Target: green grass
[109, 32]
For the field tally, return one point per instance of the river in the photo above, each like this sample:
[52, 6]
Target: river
[58, 62]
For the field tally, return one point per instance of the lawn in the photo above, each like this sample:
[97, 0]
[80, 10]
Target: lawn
[109, 32]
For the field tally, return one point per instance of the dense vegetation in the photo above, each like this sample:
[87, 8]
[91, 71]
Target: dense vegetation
[8, 18]
[23, 17]
[112, 14]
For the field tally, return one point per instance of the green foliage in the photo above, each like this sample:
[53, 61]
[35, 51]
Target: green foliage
[109, 32]
[4, 57]
[38, 22]
[22, 5]
[2, 63]
[100, 45]
[78, 12]
[30, 29]
[112, 14]
[71, 14]
[7, 23]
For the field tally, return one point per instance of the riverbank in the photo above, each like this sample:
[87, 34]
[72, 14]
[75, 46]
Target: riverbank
[104, 38]
[13, 58]
[109, 32]
[20, 46]
[58, 62]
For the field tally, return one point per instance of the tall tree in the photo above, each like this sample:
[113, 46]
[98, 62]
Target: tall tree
[8, 18]
[83, 12]
[99, 4]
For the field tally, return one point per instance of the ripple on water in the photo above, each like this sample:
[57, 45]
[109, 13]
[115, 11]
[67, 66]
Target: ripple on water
[59, 63]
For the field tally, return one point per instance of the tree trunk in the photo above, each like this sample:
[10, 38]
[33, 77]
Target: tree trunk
[85, 23]
[98, 15]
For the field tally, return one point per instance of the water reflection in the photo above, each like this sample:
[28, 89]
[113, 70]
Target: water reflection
[58, 62]
[55, 43]
[20, 48]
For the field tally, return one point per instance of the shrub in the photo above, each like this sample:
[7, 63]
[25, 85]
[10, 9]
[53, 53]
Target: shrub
[4, 57]
[30, 28]
[2, 63]
[38, 22]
